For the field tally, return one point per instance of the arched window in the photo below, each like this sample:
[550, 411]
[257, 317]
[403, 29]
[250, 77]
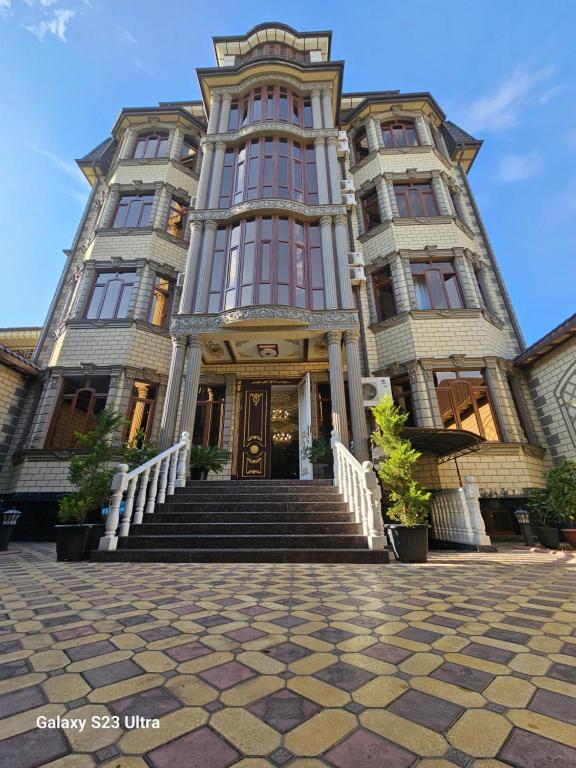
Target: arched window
[270, 166]
[80, 400]
[267, 260]
[401, 133]
[272, 103]
[360, 144]
[150, 145]
[189, 153]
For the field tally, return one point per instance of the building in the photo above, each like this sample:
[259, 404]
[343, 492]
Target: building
[250, 266]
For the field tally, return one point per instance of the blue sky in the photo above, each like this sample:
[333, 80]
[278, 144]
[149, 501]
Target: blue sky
[505, 71]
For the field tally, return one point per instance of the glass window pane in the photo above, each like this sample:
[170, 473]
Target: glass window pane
[256, 109]
[402, 205]
[264, 294]
[430, 205]
[93, 309]
[283, 294]
[111, 298]
[422, 297]
[451, 286]
[435, 287]
[416, 208]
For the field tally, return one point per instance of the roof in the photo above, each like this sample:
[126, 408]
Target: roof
[557, 336]
[14, 360]
[101, 157]
[273, 31]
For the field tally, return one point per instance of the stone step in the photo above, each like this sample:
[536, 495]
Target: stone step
[135, 541]
[160, 528]
[262, 483]
[359, 556]
[271, 507]
[193, 516]
[274, 494]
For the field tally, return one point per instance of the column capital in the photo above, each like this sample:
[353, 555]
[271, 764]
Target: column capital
[197, 224]
[207, 146]
[340, 219]
[351, 337]
[195, 342]
[215, 97]
[315, 92]
[211, 225]
[319, 141]
[332, 140]
[334, 337]
[178, 342]
[226, 97]
[326, 221]
[220, 145]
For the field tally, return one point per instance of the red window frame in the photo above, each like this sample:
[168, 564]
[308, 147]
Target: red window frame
[97, 299]
[461, 387]
[269, 166]
[270, 103]
[399, 133]
[267, 260]
[438, 276]
[209, 415]
[163, 298]
[416, 200]
[61, 435]
[127, 204]
[151, 145]
[367, 204]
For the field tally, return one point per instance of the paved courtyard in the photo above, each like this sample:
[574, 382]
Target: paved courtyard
[469, 660]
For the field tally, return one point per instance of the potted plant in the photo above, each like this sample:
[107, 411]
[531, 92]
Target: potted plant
[545, 517]
[561, 485]
[320, 454]
[205, 459]
[409, 502]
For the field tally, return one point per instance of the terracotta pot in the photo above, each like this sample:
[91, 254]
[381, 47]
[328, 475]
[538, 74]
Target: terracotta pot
[570, 536]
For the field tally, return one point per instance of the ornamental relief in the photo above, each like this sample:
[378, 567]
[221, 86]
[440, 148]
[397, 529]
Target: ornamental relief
[279, 204]
[257, 129]
[320, 320]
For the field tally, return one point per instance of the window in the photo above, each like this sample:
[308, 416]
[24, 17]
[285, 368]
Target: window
[267, 260]
[269, 167]
[189, 153]
[402, 396]
[209, 418]
[80, 400]
[324, 411]
[111, 295]
[149, 145]
[370, 210]
[161, 303]
[416, 200]
[464, 402]
[270, 103]
[140, 412]
[360, 144]
[384, 294]
[134, 210]
[273, 49]
[436, 285]
[177, 216]
[399, 134]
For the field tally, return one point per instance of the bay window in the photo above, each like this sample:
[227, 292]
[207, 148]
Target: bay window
[401, 133]
[416, 200]
[464, 402]
[151, 145]
[79, 401]
[436, 285]
[272, 103]
[133, 210]
[111, 295]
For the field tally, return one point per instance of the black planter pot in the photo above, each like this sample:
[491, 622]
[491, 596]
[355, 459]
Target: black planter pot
[198, 473]
[73, 542]
[410, 543]
[96, 533]
[548, 537]
[323, 471]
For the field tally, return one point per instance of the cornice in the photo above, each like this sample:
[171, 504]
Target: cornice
[258, 129]
[279, 205]
[264, 78]
[262, 318]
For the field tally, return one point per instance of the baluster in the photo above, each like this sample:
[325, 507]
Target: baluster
[163, 479]
[183, 461]
[119, 484]
[151, 503]
[141, 500]
[374, 496]
[127, 516]
[172, 474]
[350, 482]
[345, 478]
[359, 517]
[335, 457]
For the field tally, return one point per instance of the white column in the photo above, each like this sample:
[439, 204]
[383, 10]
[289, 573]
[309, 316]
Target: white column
[342, 248]
[334, 170]
[339, 421]
[225, 113]
[321, 173]
[215, 102]
[168, 422]
[316, 108]
[195, 346]
[327, 108]
[330, 292]
[206, 167]
[205, 269]
[191, 268]
[216, 185]
[357, 413]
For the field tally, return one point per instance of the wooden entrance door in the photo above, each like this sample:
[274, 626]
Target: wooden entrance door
[254, 449]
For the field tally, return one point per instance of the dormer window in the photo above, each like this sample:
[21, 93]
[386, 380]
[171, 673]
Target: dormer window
[401, 133]
[151, 145]
[361, 148]
[189, 152]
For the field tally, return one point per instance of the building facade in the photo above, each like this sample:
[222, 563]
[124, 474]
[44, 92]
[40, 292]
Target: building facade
[250, 266]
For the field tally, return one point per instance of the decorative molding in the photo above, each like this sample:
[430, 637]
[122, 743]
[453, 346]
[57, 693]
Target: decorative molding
[292, 317]
[266, 128]
[264, 78]
[249, 207]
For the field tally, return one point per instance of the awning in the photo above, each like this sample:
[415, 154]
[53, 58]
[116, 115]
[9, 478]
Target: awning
[446, 444]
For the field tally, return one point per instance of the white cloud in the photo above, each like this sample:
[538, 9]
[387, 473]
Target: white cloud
[55, 26]
[519, 167]
[70, 169]
[5, 6]
[502, 108]
[127, 36]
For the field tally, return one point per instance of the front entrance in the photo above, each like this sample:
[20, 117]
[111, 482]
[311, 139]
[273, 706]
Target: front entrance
[275, 429]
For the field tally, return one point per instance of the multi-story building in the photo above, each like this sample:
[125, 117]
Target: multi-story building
[245, 263]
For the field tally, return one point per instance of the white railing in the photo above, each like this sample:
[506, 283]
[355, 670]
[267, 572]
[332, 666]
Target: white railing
[359, 486]
[143, 488]
[456, 516]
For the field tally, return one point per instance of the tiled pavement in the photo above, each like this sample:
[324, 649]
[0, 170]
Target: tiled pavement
[469, 660]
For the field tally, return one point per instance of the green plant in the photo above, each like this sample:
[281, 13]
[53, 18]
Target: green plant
[208, 457]
[410, 502]
[137, 451]
[561, 485]
[538, 504]
[320, 452]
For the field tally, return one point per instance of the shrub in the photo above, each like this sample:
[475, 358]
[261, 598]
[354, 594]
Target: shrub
[208, 457]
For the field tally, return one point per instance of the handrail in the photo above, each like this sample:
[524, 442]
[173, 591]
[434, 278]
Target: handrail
[360, 488]
[154, 480]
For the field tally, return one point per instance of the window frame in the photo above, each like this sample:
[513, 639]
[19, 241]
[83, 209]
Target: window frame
[169, 296]
[360, 152]
[84, 386]
[382, 279]
[146, 207]
[184, 217]
[434, 266]
[424, 195]
[208, 406]
[189, 161]
[370, 195]
[133, 400]
[402, 396]
[390, 126]
[283, 98]
[484, 387]
[160, 137]
[116, 276]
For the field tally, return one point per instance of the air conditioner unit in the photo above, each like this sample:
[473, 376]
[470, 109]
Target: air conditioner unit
[357, 275]
[374, 389]
[347, 185]
[349, 199]
[355, 259]
[342, 136]
[342, 148]
[180, 279]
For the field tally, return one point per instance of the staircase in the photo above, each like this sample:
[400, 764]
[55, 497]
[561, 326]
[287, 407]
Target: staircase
[248, 521]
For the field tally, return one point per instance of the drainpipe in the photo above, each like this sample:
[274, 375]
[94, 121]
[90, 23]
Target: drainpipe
[65, 271]
[494, 263]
